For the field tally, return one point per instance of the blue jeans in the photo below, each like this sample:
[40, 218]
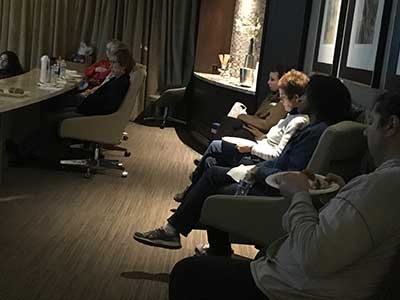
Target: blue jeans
[214, 181]
[219, 153]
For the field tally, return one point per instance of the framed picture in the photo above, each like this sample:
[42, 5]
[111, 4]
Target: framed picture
[329, 36]
[393, 72]
[364, 41]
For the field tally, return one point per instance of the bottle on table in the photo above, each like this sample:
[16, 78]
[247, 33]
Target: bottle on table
[63, 68]
[44, 69]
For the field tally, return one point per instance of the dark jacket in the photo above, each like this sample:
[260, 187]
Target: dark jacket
[297, 153]
[106, 99]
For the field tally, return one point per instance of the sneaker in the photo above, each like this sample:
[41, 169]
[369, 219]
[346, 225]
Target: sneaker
[205, 250]
[159, 238]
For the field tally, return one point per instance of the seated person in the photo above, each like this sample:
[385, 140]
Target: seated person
[108, 97]
[96, 73]
[343, 251]
[326, 101]
[267, 115]
[291, 87]
[105, 100]
[9, 65]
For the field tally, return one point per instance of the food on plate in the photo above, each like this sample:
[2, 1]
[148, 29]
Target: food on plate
[316, 182]
[13, 90]
[19, 91]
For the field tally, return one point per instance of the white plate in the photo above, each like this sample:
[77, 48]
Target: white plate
[6, 93]
[238, 141]
[273, 180]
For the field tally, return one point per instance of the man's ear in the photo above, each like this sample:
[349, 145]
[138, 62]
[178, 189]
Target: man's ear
[392, 126]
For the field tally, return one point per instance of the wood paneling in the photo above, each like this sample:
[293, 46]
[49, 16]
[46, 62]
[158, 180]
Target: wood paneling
[214, 32]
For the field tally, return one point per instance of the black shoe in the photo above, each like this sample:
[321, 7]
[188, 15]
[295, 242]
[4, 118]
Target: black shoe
[159, 238]
[179, 197]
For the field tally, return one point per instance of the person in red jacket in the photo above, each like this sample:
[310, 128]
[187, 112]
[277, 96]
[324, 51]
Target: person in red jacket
[96, 73]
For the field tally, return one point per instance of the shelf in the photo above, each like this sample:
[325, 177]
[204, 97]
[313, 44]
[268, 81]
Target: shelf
[230, 83]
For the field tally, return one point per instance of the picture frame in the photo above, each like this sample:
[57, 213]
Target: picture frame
[393, 71]
[364, 41]
[329, 36]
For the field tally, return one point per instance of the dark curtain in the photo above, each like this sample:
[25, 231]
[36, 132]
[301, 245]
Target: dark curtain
[160, 33]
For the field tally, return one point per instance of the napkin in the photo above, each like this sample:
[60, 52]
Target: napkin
[238, 173]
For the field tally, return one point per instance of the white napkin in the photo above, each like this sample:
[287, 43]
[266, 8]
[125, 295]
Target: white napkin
[238, 173]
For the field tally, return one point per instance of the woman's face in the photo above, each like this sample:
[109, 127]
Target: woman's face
[116, 69]
[3, 61]
[287, 103]
[110, 50]
[273, 81]
[304, 104]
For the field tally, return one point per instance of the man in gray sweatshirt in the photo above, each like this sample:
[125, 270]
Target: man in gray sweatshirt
[340, 252]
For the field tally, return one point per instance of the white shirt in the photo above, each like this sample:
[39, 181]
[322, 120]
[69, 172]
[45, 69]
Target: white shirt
[272, 145]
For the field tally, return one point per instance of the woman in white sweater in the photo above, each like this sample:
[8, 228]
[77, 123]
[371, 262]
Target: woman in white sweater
[273, 143]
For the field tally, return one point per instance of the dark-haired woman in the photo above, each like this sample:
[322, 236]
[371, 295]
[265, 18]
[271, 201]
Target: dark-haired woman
[267, 115]
[9, 65]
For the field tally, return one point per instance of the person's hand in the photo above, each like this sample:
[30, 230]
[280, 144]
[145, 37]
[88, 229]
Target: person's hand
[290, 184]
[243, 149]
[258, 134]
[240, 117]
[336, 179]
[100, 69]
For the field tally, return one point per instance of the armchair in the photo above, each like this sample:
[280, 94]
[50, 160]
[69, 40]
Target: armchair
[257, 220]
[101, 130]
[167, 100]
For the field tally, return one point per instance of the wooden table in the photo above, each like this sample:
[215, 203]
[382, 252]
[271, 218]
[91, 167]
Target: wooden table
[33, 94]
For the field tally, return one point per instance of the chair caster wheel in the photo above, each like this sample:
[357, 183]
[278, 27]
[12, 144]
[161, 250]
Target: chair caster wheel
[87, 174]
[124, 174]
[127, 154]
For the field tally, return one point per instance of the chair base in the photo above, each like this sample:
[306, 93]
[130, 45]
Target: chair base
[94, 163]
[164, 121]
[117, 148]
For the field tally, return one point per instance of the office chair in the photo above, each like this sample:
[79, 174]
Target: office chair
[167, 101]
[97, 131]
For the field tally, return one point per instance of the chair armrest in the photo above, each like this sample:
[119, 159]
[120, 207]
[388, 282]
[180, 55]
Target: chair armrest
[172, 96]
[253, 218]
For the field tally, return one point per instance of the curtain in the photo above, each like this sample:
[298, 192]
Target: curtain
[160, 33]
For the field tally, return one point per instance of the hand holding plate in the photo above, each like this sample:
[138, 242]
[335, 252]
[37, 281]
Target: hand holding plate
[243, 149]
[291, 183]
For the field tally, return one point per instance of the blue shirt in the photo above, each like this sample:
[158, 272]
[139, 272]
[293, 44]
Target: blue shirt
[297, 153]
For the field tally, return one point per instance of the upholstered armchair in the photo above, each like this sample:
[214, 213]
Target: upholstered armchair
[103, 129]
[257, 220]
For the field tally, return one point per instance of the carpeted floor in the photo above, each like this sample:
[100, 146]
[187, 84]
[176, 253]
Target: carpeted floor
[66, 237]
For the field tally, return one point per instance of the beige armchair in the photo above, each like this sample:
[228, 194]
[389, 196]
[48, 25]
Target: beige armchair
[257, 220]
[103, 129]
